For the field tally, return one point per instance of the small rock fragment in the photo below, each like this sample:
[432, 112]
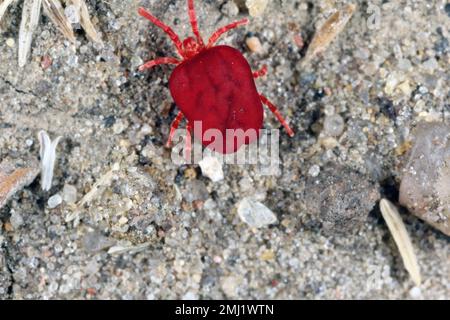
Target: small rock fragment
[340, 198]
[256, 7]
[314, 170]
[230, 286]
[73, 14]
[255, 214]
[94, 241]
[54, 201]
[69, 194]
[16, 220]
[425, 186]
[212, 168]
[195, 190]
[230, 9]
[254, 44]
[333, 125]
[10, 42]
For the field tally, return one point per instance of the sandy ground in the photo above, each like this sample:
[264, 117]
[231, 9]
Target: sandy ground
[155, 230]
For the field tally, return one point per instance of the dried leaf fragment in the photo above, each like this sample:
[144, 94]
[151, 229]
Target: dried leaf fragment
[30, 19]
[401, 237]
[54, 10]
[4, 4]
[13, 179]
[329, 31]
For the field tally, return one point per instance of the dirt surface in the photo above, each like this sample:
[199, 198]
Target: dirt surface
[156, 230]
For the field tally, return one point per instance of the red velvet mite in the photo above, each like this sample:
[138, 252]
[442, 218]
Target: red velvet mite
[214, 85]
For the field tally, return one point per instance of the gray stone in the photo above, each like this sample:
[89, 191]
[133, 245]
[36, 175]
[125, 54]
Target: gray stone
[425, 187]
[339, 198]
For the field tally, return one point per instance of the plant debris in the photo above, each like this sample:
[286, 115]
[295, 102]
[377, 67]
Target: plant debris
[329, 31]
[48, 157]
[54, 10]
[13, 179]
[401, 237]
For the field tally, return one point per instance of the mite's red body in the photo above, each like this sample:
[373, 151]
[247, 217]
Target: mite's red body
[214, 88]
[217, 88]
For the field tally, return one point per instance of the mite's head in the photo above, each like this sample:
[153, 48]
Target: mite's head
[191, 47]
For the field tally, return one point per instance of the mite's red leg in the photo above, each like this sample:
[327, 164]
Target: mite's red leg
[173, 128]
[158, 61]
[277, 114]
[176, 40]
[188, 145]
[216, 35]
[261, 72]
[194, 22]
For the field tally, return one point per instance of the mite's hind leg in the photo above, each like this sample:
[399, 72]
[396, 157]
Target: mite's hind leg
[174, 126]
[277, 114]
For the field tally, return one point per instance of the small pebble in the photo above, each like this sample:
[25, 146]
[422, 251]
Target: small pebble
[16, 220]
[46, 62]
[10, 42]
[195, 190]
[230, 9]
[254, 44]
[54, 201]
[72, 14]
[314, 170]
[430, 65]
[256, 7]
[333, 125]
[415, 293]
[69, 194]
[212, 168]
[29, 142]
[255, 214]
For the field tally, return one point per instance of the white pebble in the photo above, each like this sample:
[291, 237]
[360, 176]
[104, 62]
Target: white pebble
[54, 201]
[16, 220]
[256, 7]
[415, 293]
[69, 194]
[72, 14]
[255, 214]
[10, 42]
[314, 170]
[212, 168]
